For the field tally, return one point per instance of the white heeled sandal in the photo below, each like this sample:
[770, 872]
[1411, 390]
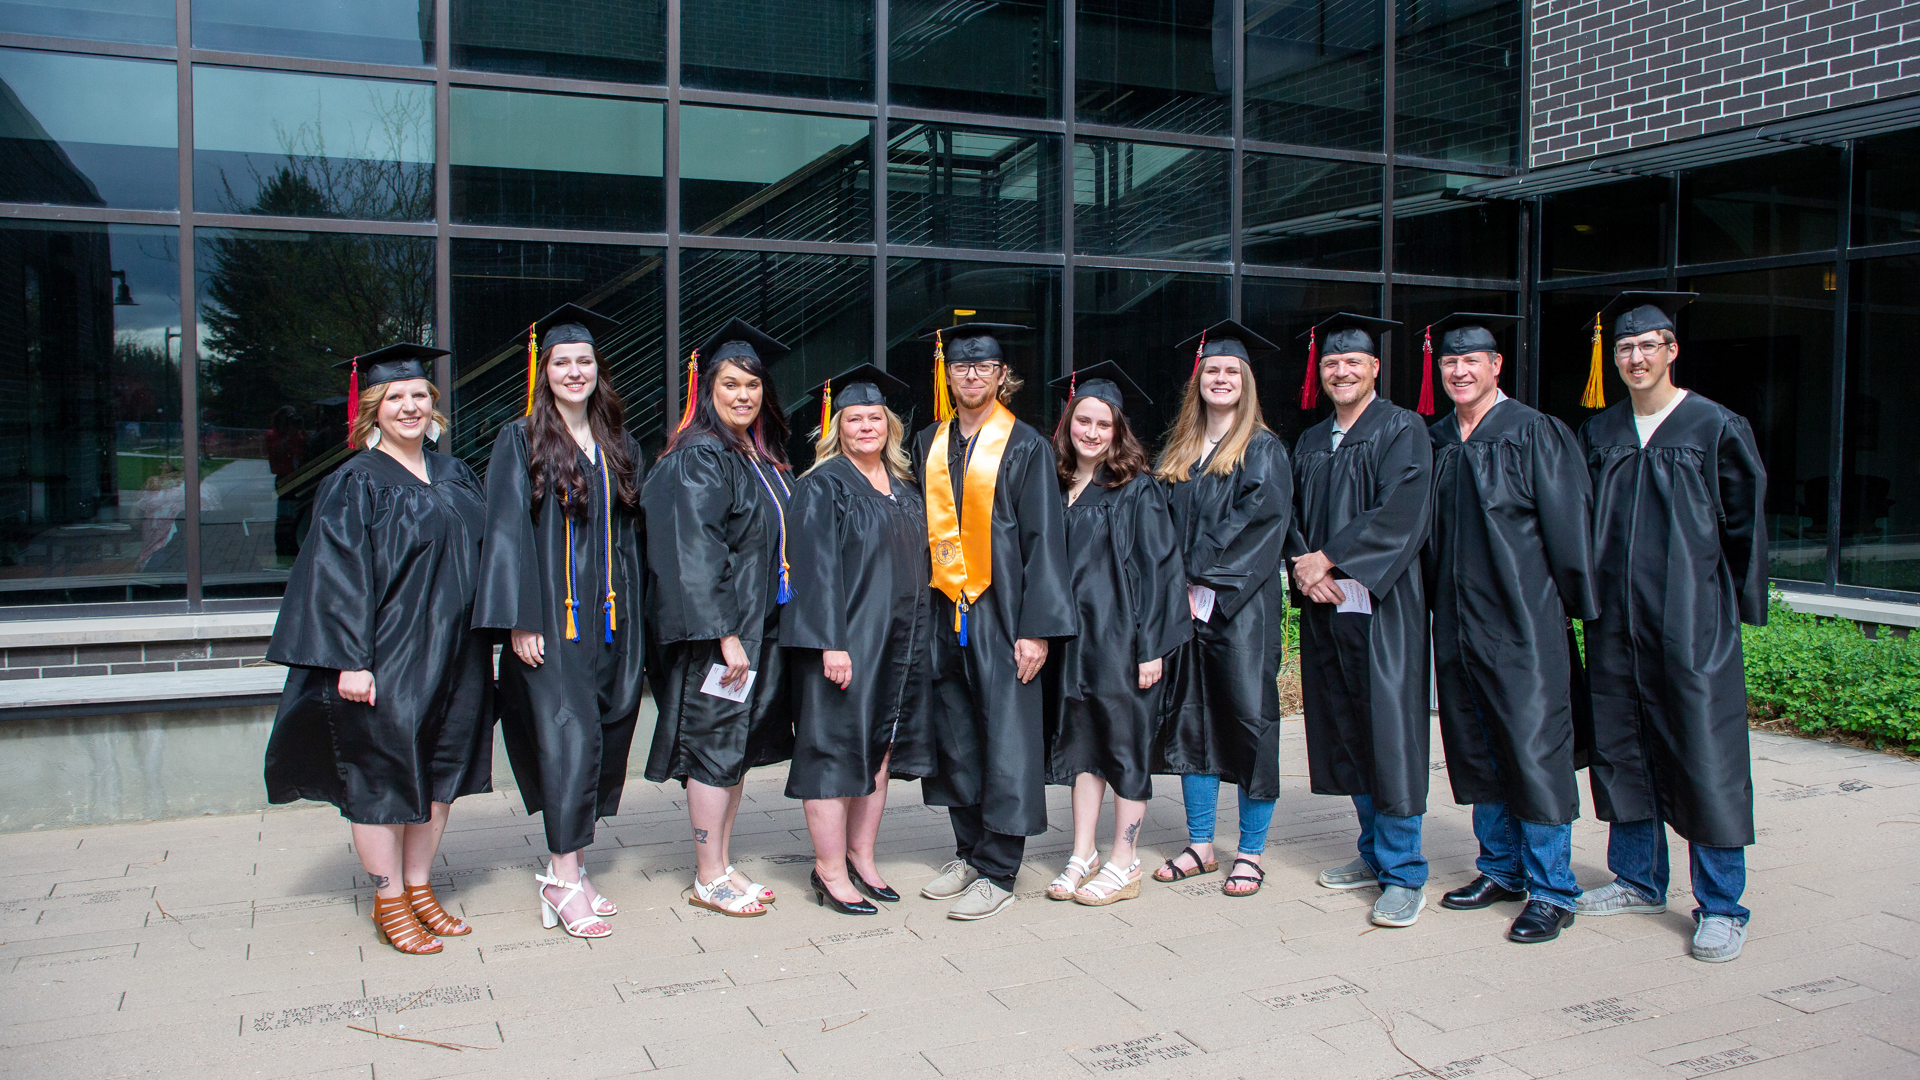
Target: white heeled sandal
[601, 906]
[550, 916]
[1070, 879]
[734, 904]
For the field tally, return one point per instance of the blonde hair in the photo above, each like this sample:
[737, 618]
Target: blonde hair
[370, 398]
[1187, 443]
[826, 445]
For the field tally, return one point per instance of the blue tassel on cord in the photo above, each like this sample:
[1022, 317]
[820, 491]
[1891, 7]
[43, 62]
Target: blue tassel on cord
[608, 608]
[963, 627]
[786, 591]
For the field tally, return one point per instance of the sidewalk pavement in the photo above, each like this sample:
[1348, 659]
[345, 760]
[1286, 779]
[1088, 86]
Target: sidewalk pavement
[239, 947]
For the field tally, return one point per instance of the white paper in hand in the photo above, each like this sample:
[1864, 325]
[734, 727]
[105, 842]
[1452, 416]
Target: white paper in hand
[1201, 598]
[1358, 600]
[738, 693]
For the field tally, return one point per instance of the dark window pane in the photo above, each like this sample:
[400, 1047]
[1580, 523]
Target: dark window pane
[90, 444]
[1001, 58]
[1134, 318]
[616, 40]
[1436, 234]
[1281, 310]
[1166, 202]
[923, 294]
[277, 311]
[1887, 168]
[143, 22]
[368, 31]
[1164, 64]
[518, 159]
[783, 176]
[1566, 350]
[817, 49]
[1606, 229]
[1457, 80]
[1880, 485]
[269, 142]
[1311, 212]
[1313, 72]
[1777, 205]
[88, 131]
[1417, 308]
[971, 188]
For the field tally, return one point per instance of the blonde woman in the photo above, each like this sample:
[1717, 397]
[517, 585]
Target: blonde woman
[860, 638]
[1232, 501]
[387, 712]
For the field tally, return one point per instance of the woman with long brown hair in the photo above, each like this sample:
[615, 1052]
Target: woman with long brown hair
[717, 537]
[1103, 687]
[1232, 498]
[562, 584]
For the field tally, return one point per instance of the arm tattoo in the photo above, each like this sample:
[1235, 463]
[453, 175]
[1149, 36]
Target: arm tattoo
[1133, 830]
[699, 836]
[379, 880]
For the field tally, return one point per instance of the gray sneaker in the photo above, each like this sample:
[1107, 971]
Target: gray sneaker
[982, 899]
[1616, 898]
[1398, 906]
[953, 880]
[1355, 875]
[1718, 939]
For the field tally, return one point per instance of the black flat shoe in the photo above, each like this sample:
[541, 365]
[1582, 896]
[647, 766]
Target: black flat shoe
[826, 899]
[1481, 892]
[882, 893]
[1539, 921]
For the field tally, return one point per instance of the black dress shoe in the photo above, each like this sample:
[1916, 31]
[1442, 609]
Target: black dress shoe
[1481, 892]
[1539, 921]
[882, 893]
[825, 898]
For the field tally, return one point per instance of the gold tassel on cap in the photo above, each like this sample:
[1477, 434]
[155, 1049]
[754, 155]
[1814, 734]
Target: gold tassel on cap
[533, 363]
[1594, 397]
[942, 399]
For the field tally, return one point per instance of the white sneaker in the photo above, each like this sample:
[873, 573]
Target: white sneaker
[953, 880]
[983, 899]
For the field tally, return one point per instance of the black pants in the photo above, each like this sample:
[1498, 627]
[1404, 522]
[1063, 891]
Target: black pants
[996, 855]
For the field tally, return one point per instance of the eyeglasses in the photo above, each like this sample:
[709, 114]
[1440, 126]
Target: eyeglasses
[985, 369]
[1644, 348]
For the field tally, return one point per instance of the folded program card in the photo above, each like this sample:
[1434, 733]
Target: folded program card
[1358, 600]
[738, 693]
[1201, 599]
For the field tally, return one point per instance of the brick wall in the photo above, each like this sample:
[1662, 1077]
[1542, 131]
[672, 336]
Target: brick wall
[130, 658]
[1610, 75]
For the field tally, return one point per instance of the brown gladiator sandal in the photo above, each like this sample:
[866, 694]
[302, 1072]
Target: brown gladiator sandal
[436, 918]
[399, 927]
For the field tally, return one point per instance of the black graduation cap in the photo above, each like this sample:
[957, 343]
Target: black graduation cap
[1341, 332]
[1468, 332]
[863, 385]
[393, 363]
[974, 340]
[1105, 380]
[1633, 313]
[1226, 338]
[739, 339]
[571, 324]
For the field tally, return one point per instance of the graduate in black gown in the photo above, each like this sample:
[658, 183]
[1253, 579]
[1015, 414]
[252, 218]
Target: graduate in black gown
[562, 588]
[388, 709]
[997, 535]
[1130, 590]
[720, 542]
[1680, 549]
[858, 645]
[1232, 499]
[1508, 561]
[1362, 482]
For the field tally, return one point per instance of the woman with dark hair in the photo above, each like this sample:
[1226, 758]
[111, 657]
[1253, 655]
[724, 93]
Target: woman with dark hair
[1104, 688]
[716, 509]
[1232, 499]
[387, 712]
[562, 579]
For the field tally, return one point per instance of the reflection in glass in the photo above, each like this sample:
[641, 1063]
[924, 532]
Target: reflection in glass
[88, 131]
[1419, 308]
[1605, 229]
[91, 456]
[1458, 78]
[623, 42]
[277, 311]
[817, 49]
[1887, 171]
[923, 294]
[1281, 310]
[1135, 318]
[521, 159]
[969, 188]
[1880, 486]
[1311, 212]
[1165, 202]
[783, 176]
[1781, 204]
[1313, 72]
[1435, 233]
[268, 142]
[1001, 58]
[367, 31]
[142, 22]
[1162, 64]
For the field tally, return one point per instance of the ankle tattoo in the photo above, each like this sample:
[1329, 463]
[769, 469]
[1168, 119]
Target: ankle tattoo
[379, 880]
[699, 836]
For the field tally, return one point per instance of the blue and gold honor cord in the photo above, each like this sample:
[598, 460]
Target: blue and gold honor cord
[609, 606]
[785, 592]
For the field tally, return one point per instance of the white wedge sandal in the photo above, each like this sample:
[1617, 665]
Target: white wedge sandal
[1071, 878]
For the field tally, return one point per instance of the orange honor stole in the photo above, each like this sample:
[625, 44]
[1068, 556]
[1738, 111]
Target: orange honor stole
[962, 547]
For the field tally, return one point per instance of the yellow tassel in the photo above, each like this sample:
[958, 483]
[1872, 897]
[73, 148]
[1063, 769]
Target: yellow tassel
[1594, 397]
[533, 365]
[826, 406]
[573, 634]
[942, 400]
[613, 615]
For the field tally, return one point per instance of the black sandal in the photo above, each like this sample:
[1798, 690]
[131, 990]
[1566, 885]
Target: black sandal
[1258, 881]
[1199, 868]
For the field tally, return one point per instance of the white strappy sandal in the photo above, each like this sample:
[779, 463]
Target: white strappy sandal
[754, 888]
[602, 906]
[1070, 879]
[550, 916]
[734, 904]
[1111, 885]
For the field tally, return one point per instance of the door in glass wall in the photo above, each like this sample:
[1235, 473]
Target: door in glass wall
[1160, 64]
[558, 162]
[951, 186]
[1281, 310]
[1458, 70]
[998, 58]
[617, 42]
[1135, 318]
[366, 31]
[88, 131]
[927, 294]
[817, 49]
[1314, 72]
[1880, 478]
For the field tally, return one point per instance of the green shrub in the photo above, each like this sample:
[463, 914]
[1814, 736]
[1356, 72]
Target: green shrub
[1820, 674]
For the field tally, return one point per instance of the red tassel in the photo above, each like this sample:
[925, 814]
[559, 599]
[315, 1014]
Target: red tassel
[1426, 375]
[1073, 381]
[1310, 387]
[693, 392]
[353, 394]
[1198, 352]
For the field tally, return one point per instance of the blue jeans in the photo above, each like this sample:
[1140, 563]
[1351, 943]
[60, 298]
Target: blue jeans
[1637, 855]
[1536, 859]
[1202, 796]
[1391, 845]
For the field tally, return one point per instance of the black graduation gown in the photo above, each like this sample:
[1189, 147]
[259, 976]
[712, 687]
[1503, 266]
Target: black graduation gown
[1680, 553]
[1364, 677]
[568, 724]
[385, 584]
[1222, 702]
[1508, 561]
[1130, 593]
[713, 543]
[989, 725]
[859, 570]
